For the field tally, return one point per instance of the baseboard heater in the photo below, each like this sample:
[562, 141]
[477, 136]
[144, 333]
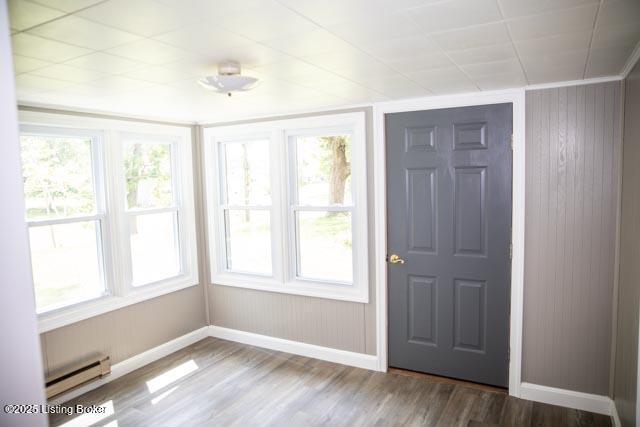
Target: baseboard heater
[77, 374]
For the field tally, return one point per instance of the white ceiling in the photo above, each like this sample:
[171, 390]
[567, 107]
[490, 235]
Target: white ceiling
[143, 57]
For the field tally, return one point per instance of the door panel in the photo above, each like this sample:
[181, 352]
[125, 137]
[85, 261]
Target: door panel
[449, 218]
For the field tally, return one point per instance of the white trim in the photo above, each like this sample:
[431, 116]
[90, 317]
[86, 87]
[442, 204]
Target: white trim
[110, 207]
[614, 415]
[349, 358]
[567, 398]
[135, 362]
[325, 110]
[86, 310]
[517, 98]
[283, 276]
[590, 81]
[631, 61]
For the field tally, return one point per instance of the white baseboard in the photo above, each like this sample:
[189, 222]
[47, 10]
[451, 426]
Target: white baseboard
[359, 360]
[614, 415]
[567, 398]
[135, 362]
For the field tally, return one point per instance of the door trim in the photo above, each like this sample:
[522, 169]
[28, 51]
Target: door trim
[517, 98]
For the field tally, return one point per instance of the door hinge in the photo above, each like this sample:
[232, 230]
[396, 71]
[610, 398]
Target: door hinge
[511, 141]
[510, 250]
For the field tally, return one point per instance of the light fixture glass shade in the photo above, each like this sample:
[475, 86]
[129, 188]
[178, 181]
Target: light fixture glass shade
[228, 83]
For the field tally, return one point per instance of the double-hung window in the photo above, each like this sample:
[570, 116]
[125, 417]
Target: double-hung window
[151, 209]
[287, 206]
[110, 211]
[65, 211]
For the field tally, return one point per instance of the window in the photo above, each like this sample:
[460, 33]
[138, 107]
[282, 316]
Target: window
[65, 214]
[246, 205]
[151, 210]
[288, 206]
[110, 211]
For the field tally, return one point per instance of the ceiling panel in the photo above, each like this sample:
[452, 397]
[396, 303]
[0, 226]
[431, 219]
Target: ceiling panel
[143, 17]
[553, 44]
[144, 57]
[82, 32]
[619, 12]
[557, 22]
[23, 64]
[423, 61]
[47, 50]
[453, 14]
[149, 51]
[510, 66]
[68, 6]
[69, 74]
[473, 37]
[568, 65]
[607, 61]
[24, 14]
[497, 52]
[517, 8]
[271, 20]
[106, 63]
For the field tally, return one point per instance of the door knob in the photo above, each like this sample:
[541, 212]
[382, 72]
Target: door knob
[395, 259]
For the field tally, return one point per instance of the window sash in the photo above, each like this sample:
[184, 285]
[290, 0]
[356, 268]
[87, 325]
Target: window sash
[284, 207]
[99, 221]
[99, 197]
[177, 239]
[128, 139]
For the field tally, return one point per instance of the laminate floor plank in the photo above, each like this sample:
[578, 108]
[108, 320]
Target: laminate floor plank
[221, 383]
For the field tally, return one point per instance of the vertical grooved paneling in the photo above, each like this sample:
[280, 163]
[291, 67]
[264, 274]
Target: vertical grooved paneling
[571, 199]
[330, 323]
[128, 331]
[628, 304]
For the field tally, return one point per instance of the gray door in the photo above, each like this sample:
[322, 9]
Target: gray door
[449, 220]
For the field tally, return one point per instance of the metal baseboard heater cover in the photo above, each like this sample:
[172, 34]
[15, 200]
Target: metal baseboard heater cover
[77, 374]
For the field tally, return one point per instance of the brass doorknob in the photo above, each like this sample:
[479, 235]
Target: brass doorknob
[395, 259]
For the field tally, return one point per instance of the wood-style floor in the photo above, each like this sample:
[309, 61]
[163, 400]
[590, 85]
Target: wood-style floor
[217, 382]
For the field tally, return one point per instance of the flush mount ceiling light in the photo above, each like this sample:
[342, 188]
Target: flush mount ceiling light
[228, 80]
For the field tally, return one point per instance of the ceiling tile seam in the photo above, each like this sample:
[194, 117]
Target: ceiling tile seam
[49, 64]
[66, 14]
[514, 19]
[593, 33]
[445, 53]
[302, 60]
[513, 44]
[352, 45]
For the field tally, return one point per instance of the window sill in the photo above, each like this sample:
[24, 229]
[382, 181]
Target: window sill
[298, 287]
[86, 310]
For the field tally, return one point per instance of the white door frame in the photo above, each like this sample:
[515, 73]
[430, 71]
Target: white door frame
[517, 98]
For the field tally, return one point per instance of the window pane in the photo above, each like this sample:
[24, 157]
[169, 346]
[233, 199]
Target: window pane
[66, 264]
[248, 241]
[57, 176]
[154, 248]
[147, 168]
[324, 170]
[247, 168]
[324, 244]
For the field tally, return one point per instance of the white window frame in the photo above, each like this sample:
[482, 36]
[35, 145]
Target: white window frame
[99, 216]
[127, 213]
[283, 241]
[115, 236]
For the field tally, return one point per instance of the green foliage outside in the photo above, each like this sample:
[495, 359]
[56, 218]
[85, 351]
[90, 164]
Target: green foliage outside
[57, 176]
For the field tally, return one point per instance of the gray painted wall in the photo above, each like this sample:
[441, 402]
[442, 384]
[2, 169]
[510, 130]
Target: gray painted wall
[626, 363]
[125, 332]
[573, 145]
[21, 377]
[336, 324]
